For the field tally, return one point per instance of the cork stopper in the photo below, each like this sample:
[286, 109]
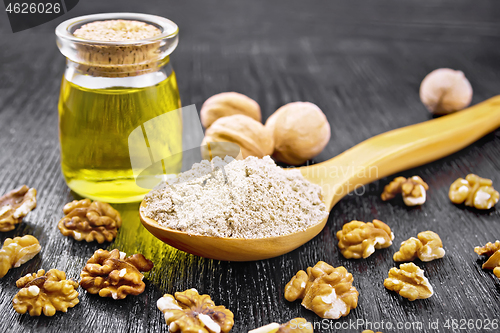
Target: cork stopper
[117, 30]
[120, 59]
[117, 44]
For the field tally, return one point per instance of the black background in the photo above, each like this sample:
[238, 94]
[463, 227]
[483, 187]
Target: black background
[361, 63]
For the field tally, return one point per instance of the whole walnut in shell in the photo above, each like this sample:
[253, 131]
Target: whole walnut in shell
[250, 135]
[300, 131]
[227, 104]
[445, 90]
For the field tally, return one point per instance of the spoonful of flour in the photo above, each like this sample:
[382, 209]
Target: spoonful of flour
[250, 198]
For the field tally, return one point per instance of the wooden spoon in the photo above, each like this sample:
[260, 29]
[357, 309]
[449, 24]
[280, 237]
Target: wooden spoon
[375, 158]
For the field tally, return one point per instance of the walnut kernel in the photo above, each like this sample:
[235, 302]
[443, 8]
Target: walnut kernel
[15, 205]
[110, 274]
[300, 131]
[427, 247]
[492, 250]
[474, 191]
[445, 90]
[496, 271]
[432, 246]
[228, 104]
[359, 239]
[296, 325]
[488, 249]
[409, 281]
[408, 250]
[189, 311]
[325, 290]
[493, 261]
[49, 293]
[17, 251]
[413, 190]
[89, 221]
[250, 135]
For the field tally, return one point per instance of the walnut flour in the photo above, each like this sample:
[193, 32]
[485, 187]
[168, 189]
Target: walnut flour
[250, 198]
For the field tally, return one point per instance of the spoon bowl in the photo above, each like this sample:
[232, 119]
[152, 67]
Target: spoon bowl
[231, 249]
[375, 158]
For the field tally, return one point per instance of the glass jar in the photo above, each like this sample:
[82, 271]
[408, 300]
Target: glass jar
[110, 89]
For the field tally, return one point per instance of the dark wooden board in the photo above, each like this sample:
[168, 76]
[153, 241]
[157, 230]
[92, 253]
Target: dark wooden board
[362, 63]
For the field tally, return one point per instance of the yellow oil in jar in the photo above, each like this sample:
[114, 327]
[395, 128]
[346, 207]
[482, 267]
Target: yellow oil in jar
[94, 126]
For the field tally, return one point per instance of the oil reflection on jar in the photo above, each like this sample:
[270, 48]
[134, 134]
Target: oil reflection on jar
[109, 89]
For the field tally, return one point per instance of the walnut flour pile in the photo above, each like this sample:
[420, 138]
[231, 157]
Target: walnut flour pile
[250, 198]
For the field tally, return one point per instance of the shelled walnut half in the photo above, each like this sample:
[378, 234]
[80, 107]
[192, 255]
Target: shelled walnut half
[49, 293]
[409, 281]
[493, 263]
[110, 274]
[86, 220]
[15, 205]
[296, 325]
[359, 239]
[474, 191]
[427, 247]
[189, 311]
[492, 250]
[326, 290]
[17, 251]
[413, 190]
[488, 249]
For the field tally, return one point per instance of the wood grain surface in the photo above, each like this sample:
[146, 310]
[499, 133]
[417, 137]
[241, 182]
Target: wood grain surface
[361, 63]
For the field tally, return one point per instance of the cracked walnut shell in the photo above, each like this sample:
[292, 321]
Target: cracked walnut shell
[227, 104]
[15, 205]
[17, 251]
[86, 220]
[409, 281]
[49, 293]
[325, 290]
[473, 191]
[359, 239]
[413, 190]
[427, 247]
[189, 312]
[110, 274]
[296, 325]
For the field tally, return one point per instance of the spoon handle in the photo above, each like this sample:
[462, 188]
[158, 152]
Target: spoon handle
[407, 147]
